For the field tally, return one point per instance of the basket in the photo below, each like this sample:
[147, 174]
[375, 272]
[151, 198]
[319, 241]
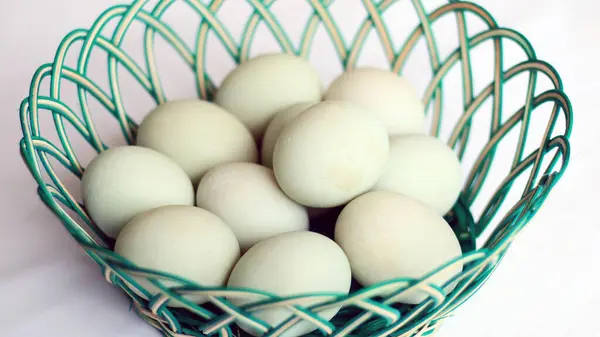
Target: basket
[529, 141]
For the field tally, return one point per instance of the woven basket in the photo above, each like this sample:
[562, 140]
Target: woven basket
[485, 218]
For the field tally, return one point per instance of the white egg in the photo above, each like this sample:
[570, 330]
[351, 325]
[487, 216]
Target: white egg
[184, 241]
[331, 153]
[198, 135]
[292, 264]
[124, 181]
[282, 119]
[387, 235]
[383, 93]
[424, 168]
[246, 196]
[259, 87]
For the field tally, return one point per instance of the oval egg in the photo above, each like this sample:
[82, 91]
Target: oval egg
[331, 153]
[292, 264]
[197, 135]
[246, 196]
[180, 240]
[257, 88]
[383, 93]
[282, 119]
[124, 181]
[425, 168]
[388, 235]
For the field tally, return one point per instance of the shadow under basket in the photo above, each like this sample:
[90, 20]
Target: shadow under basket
[63, 129]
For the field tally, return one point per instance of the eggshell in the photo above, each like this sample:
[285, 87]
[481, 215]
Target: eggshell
[388, 235]
[290, 264]
[281, 120]
[259, 87]
[124, 181]
[331, 153]
[247, 197]
[184, 241]
[383, 93]
[197, 135]
[424, 168]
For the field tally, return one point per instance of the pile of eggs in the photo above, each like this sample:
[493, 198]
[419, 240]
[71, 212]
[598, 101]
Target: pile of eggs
[228, 193]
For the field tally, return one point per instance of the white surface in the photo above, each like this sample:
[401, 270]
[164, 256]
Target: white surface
[546, 285]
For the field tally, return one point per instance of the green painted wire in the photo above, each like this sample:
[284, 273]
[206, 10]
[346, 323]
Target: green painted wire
[364, 311]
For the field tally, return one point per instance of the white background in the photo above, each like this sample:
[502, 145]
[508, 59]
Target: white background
[546, 286]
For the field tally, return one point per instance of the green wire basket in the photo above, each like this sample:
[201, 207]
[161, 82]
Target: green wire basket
[485, 237]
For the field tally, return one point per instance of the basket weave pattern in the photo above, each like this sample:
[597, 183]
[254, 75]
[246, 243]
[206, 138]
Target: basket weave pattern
[364, 313]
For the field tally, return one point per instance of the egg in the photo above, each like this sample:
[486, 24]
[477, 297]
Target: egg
[246, 196]
[387, 235]
[184, 241]
[197, 135]
[425, 168]
[292, 264]
[281, 120]
[124, 181]
[383, 93]
[257, 88]
[331, 153]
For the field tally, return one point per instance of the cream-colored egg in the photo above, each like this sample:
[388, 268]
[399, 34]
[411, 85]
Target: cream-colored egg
[425, 168]
[246, 196]
[184, 241]
[124, 181]
[383, 93]
[387, 235]
[292, 264]
[198, 135]
[331, 153]
[256, 89]
[280, 121]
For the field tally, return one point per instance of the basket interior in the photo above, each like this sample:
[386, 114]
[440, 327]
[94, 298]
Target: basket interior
[487, 95]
